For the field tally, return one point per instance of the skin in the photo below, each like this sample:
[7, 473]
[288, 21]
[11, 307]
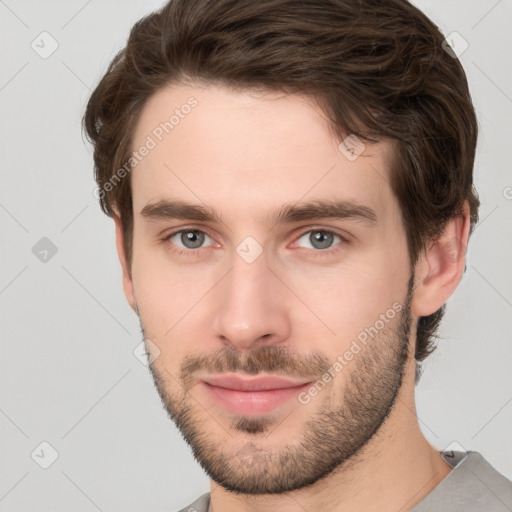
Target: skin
[292, 310]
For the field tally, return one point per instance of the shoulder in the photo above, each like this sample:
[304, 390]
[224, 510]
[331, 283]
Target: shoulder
[472, 485]
[200, 505]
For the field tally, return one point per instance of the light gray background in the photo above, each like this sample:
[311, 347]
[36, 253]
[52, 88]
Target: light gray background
[68, 375]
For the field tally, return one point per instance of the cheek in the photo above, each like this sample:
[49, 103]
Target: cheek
[166, 303]
[327, 305]
[167, 296]
[176, 307]
[349, 297]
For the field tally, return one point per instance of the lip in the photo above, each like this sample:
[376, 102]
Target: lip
[252, 396]
[235, 382]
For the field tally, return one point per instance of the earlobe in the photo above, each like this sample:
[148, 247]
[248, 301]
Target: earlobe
[440, 268]
[127, 278]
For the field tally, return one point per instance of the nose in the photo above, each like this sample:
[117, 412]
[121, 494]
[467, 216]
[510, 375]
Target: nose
[252, 307]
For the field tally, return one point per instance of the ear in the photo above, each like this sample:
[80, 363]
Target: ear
[127, 277]
[440, 268]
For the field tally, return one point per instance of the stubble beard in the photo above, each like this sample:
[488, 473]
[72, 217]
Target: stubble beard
[328, 441]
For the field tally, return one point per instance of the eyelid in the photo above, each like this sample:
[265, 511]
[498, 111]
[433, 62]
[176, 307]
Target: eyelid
[296, 236]
[185, 250]
[176, 230]
[344, 236]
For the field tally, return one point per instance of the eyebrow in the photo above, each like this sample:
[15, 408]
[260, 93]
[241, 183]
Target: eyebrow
[177, 209]
[287, 213]
[324, 209]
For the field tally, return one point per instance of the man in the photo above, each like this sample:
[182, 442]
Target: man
[291, 184]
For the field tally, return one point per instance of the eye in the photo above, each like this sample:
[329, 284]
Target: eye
[319, 239]
[189, 238]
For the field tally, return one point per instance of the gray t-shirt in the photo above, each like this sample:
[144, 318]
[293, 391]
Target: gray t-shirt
[473, 485]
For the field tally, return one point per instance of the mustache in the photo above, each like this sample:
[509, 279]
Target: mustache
[266, 359]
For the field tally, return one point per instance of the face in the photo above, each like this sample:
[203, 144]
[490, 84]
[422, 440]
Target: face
[263, 248]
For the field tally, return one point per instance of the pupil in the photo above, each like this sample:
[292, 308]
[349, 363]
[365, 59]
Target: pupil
[321, 239]
[192, 239]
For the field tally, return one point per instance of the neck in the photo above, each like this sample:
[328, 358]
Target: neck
[393, 472]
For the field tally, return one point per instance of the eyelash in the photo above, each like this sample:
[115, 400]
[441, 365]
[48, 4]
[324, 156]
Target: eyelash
[186, 252]
[317, 252]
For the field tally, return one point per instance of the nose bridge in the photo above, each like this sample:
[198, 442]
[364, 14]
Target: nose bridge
[248, 282]
[249, 308]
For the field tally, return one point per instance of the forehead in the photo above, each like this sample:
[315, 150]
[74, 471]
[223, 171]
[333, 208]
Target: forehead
[241, 151]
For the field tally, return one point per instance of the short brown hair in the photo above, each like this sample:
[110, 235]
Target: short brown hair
[377, 68]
